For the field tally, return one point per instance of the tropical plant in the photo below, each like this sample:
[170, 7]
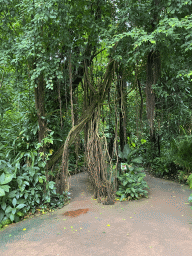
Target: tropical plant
[24, 186]
[128, 155]
[132, 184]
[182, 149]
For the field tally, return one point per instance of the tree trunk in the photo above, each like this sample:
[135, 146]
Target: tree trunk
[121, 89]
[153, 74]
[40, 108]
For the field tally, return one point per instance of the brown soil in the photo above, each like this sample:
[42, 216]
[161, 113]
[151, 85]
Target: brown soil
[76, 213]
[153, 226]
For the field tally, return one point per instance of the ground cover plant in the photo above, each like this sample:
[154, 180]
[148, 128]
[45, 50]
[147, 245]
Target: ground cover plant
[132, 185]
[131, 179]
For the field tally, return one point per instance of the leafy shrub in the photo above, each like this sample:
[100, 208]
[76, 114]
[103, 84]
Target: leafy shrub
[182, 176]
[132, 185]
[158, 167]
[182, 150]
[164, 166]
[167, 165]
[128, 155]
[150, 152]
[23, 187]
[175, 161]
[23, 184]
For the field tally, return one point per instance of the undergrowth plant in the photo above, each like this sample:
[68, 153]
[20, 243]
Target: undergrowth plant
[182, 150]
[24, 190]
[23, 184]
[174, 161]
[132, 184]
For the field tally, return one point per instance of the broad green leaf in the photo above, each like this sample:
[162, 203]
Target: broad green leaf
[2, 192]
[12, 194]
[32, 191]
[31, 172]
[121, 155]
[5, 187]
[11, 217]
[143, 141]
[119, 193]
[3, 206]
[2, 214]
[8, 209]
[20, 206]
[20, 214]
[125, 182]
[2, 178]
[133, 190]
[40, 180]
[36, 178]
[26, 195]
[51, 184]
[37, 200]
[126, 151]
[133, 144]
[21, 201]
[14, 210]
[138, 160]
[19, 180]
[14, 202]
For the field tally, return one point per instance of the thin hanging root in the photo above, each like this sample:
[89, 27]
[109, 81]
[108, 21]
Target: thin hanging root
[99, 165]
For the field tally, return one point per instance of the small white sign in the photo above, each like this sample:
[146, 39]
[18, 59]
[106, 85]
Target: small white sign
[123, 167]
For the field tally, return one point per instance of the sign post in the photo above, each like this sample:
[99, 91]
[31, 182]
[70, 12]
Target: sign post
[123, 166]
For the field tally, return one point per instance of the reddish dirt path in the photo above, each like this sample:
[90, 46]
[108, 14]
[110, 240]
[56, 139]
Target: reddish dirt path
[155, 226]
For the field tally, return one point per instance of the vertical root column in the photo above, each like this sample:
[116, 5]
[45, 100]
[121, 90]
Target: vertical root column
[98, 165]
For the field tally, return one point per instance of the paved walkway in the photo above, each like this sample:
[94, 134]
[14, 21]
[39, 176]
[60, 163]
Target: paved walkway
[159, 225]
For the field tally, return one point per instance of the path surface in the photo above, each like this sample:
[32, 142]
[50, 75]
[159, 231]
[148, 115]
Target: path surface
[159, 225]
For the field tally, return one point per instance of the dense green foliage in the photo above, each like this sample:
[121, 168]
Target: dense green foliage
[132, 184]
[23, 184]
[49, 51]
